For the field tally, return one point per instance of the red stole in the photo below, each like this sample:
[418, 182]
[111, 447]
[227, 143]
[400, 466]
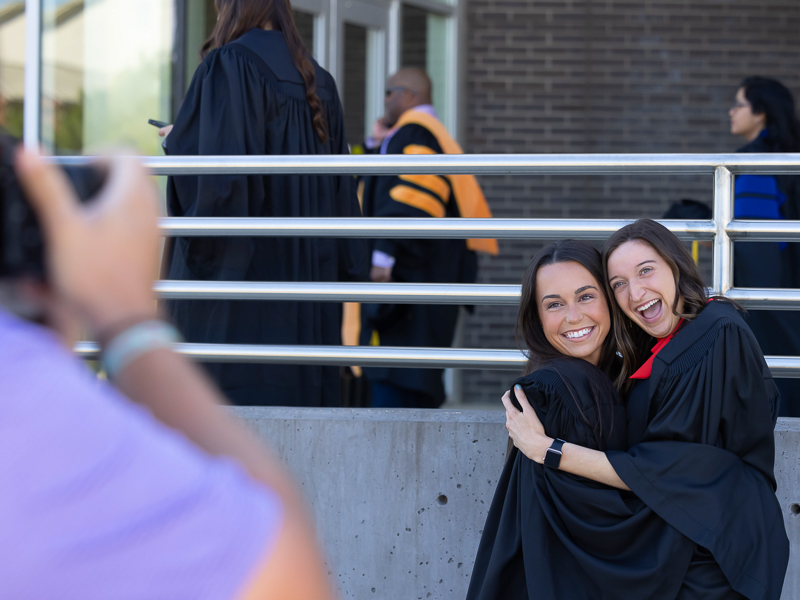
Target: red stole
[644, 371]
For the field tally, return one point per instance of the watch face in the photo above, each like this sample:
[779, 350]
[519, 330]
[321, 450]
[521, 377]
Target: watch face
[552, 458]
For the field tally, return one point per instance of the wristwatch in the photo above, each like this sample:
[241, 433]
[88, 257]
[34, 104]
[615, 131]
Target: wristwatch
[552, 458]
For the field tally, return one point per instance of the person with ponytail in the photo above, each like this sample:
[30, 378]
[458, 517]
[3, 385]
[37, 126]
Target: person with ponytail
[764, 115]
[259, 92]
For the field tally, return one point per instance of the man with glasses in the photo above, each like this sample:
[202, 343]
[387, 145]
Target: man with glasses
[410, 126]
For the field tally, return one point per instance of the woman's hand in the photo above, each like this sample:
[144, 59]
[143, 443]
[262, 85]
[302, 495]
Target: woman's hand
[525, 428]
[101, 256]
[165, 131]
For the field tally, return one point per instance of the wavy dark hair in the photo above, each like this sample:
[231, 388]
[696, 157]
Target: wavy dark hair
[540, 352]
[769, 97]
[530, 334]
[237, 17]
[633, 342]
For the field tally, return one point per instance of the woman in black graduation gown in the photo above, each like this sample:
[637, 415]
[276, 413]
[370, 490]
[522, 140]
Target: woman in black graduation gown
[550, 534]
[258, 92]
[764, 115]
[701, 415]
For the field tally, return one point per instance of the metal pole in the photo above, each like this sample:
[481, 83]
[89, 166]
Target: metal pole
[477, 164]
[380, 356]
[409, 293]
[762, 299]
[402, 293]
[521, 229]
[764, 231]
[32, 110]
[366, 356]
[723, 215]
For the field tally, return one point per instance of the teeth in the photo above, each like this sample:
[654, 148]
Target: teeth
[577, 334]
[644, 307]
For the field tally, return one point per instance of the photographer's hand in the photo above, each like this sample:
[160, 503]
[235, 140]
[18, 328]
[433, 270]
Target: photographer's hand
[101, 256]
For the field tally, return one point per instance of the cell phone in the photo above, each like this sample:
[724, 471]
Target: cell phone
[158, 124]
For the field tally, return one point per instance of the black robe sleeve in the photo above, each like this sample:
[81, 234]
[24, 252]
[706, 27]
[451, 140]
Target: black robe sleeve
[702, 453]
[550, 534]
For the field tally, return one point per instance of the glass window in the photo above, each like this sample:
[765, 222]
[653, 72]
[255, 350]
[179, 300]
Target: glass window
[424, 45]
[12, 65]
[305, 27]
[355, 81]
[106, 70]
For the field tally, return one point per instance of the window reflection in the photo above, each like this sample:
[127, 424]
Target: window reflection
[12, 65]
[424, 45]
[355, 81]
[105, 72]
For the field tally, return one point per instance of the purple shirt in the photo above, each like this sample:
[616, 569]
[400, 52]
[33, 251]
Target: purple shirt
[100, 500]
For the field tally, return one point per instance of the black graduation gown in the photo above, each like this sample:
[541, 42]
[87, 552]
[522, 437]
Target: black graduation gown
[702, 450]
[417, 261]
[767, 265]
[248, 98]
[552, 535]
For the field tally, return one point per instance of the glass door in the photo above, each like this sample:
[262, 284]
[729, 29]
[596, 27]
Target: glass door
[361, 50]
[12, 65]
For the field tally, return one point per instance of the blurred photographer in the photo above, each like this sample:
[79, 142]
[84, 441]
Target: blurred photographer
[143, 489]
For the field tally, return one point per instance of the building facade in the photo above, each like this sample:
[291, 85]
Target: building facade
[522, 76]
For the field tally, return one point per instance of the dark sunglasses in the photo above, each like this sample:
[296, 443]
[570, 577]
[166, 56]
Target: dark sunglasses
[398, 88]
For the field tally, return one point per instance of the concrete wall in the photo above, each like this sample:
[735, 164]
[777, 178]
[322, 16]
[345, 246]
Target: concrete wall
[401, 496]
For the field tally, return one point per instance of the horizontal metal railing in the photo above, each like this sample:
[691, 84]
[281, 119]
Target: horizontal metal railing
[381, 356]
[721, 231]
[477, 164]
[410, 293]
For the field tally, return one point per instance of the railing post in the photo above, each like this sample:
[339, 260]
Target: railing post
[723, 215]
[32, 109]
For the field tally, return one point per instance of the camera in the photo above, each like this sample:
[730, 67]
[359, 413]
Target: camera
[21, 241]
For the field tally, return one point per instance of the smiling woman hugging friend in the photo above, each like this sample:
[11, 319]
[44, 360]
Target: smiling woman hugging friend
[695, 473]
[541, 535]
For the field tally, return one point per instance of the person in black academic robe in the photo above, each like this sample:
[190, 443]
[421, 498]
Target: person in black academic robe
[770, 265]
[550, 534]
[701, 449]
[248, 97]
[764, 114]
[417, 261]
[415, 129]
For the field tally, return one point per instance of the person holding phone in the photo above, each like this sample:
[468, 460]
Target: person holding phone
[259, 92]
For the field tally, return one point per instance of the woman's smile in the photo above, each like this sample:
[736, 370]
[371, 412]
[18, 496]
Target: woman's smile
[579, 335]
[644, 287]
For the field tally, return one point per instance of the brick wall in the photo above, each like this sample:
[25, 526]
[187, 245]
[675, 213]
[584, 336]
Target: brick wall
[605, 76]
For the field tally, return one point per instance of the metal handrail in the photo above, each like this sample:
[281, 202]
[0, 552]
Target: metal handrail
[398, 228]
[476, 164]
[380, 356]
[507, 229]
[721, 231]
[409, 293]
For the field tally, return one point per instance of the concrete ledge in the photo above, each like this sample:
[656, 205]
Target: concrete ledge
[401, 496]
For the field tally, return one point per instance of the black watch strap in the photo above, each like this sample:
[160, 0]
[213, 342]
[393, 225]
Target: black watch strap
[552, 458]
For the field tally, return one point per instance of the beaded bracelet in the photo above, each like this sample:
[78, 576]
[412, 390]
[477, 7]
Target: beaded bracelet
[136, 341]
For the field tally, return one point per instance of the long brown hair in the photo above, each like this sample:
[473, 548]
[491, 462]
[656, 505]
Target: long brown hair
[237, 17]
[633, 342]
[530, 333]
[540, 351]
